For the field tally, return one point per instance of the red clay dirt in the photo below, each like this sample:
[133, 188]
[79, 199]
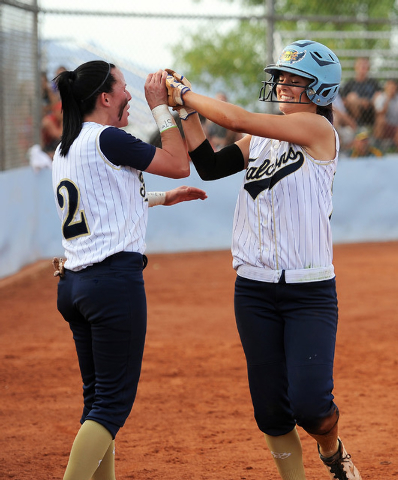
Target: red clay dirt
[193, 418]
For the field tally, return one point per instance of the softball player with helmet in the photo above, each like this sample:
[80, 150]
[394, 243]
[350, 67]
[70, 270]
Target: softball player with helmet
[285, 293]
[102, 202]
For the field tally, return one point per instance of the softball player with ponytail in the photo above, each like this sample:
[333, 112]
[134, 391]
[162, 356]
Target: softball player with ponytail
[285, 293]
[102, 202]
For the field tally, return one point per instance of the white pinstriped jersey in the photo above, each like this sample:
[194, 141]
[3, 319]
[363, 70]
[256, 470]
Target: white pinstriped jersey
[282, 215]
[102, 207]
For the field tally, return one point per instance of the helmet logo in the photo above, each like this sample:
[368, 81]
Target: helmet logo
[290, 56]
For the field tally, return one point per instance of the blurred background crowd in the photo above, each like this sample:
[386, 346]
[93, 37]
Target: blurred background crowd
[222, 50]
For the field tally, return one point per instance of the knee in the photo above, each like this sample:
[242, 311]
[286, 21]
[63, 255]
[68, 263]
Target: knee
[321, 425]
[274, 422]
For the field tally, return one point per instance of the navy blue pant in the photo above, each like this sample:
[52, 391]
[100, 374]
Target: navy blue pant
[105, 305]
[288, 333]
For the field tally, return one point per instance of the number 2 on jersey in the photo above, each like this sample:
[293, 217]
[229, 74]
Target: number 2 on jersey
[71, 228]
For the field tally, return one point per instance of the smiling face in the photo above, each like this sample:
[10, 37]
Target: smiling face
[290, 90]
[119, 98]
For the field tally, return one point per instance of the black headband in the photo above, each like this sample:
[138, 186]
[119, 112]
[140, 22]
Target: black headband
[96, 90]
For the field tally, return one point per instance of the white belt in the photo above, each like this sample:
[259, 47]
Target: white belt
[291, 276]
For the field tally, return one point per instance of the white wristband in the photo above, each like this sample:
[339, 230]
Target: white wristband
[163, 118]
[156, 198]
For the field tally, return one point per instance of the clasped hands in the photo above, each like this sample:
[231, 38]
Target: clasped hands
[177, 85]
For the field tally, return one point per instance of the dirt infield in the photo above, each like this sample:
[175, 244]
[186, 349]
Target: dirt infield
[193, 417]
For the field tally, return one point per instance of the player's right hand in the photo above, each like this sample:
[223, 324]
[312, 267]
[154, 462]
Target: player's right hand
[183, 111]
[155, 93]
[179, 77]
[176, 88]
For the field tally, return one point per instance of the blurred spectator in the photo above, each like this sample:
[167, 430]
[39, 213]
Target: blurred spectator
[362, 146]
[359, 92]
[51, 123]
[345, 125]
[51, 129]
[218, 136]
[386, 107]
[48, 96]
[54, 88]
[38, 159]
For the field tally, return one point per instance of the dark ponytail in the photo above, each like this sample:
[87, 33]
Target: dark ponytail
[326, 111]
[79, 90]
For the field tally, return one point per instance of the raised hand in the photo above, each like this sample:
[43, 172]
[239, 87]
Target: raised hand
[175, 90]
[183, 112]
[155, 91]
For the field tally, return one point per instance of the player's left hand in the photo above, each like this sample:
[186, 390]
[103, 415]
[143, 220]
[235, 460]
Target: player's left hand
[184, 194]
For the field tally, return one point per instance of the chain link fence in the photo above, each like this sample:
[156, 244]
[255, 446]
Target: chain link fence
[19, 102]
[219, 49]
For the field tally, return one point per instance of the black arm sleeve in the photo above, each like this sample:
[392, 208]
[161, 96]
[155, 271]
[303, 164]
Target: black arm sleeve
[212, 165]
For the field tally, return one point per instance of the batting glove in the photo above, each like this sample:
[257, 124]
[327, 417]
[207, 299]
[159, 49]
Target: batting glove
[183, 112]
[177, 85]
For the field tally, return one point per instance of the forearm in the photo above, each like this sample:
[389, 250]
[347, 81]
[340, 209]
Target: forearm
[225, 114]
[212, 165]
[172, 159]
[193, 131]
[173, 143]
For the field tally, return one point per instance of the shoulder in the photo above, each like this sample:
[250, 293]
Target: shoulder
[114, 133]
[122, 148]
[324, 143]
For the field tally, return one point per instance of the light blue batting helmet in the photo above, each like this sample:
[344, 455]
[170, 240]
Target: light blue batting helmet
[308, 59]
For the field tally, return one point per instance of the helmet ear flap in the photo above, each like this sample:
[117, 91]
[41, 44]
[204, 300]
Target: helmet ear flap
[310, 93]
[325, 94]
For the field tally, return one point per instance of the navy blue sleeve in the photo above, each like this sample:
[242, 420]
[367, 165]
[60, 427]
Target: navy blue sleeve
[121, 148]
